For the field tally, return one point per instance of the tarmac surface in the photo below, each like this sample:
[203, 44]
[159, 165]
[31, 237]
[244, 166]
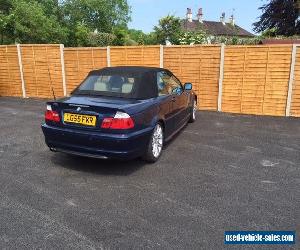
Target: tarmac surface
[222, 173]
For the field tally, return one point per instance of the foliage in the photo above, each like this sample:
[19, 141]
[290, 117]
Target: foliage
[190, 38]
[32, 25]
[120, 36]
[141, 38]
[101, 39]
[150, 39]
[136, 35]
[81, 33]
[168, 29]
[102, 15]
[71, 22]
[104, 22]
[269, 33]
[279, 16]
[234, 40]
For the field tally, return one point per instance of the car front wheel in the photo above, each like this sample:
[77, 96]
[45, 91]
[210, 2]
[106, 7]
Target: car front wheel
[155, 145]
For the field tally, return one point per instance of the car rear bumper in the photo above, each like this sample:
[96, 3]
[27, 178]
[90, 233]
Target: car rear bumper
[94, 144]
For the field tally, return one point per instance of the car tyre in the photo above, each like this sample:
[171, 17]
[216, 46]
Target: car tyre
[193, 112]
[155, 145]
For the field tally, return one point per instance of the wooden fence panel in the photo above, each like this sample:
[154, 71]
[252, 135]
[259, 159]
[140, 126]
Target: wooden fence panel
[80, 61]
[295, 106]
[256, 79]
[199, 65]
[42, 70]
[135, 56]
[278, 74]
[10, 79]
[233, 78]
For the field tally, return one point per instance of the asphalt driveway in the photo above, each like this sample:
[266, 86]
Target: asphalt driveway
[223, 172]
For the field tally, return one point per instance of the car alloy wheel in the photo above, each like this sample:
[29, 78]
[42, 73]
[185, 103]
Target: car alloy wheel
[194, 110]
[157, 141]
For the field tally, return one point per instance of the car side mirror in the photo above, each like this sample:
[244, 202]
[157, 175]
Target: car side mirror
[188, 86]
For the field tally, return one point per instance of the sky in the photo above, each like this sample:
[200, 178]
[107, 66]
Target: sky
[146, 13]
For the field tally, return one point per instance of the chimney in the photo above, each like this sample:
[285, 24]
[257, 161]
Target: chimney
[200, 15]
[222, 18]
[232, 20]
[189, 15]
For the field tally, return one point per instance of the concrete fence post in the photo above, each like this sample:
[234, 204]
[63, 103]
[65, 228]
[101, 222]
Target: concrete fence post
[21, 70]
[108, 56]
[221, 77]
[291, 81]
[63, 72]
[161, 56]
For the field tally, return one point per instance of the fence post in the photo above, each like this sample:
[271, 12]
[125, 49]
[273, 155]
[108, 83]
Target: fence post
[108, 56]
[291, 81]
[161, 56]
[21, 70]
[221, 77]
[63, 72]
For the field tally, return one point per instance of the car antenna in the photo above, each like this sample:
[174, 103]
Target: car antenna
[50, 84]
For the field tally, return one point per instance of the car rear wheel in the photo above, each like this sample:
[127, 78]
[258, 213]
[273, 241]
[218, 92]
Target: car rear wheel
[155, 145]
[193, 112]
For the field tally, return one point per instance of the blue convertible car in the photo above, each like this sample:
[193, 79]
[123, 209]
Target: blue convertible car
[120, 112]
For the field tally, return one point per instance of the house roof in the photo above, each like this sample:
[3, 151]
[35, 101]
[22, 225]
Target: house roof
[216, 28]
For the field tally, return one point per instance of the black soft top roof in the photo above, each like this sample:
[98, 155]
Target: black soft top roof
[131, 69]
[145, 86]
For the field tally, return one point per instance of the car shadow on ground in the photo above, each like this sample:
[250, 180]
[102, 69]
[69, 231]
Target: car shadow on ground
[105, 167]
[97, 166]
[174, 138]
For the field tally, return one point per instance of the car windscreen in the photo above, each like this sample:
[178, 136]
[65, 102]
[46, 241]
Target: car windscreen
[126, 82]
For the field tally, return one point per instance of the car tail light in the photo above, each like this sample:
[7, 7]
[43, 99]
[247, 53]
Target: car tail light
[51, 115]
[120, 121]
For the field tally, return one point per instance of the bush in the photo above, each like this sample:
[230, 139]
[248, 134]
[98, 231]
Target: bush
[235, 40]
[101, 39]
[190, 38]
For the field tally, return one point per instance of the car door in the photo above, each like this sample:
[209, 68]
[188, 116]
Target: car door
[167, 102]
[184, 100]
[180, 101]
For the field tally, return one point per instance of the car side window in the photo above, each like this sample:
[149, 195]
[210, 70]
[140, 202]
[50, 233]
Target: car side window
[175, 85]
[167, 84]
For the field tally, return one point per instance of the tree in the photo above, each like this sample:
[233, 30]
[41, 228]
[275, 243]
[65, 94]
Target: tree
[281, 16]
[71, 22]
[151, 39]
[120, 38]
[102, 15]
[168, 29]
[32, 25]
[142, 38]
[137, 36]
[6, 21]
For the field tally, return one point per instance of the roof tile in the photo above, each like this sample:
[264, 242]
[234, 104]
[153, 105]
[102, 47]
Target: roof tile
[216, 28]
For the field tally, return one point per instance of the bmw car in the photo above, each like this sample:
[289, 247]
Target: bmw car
[120, 112]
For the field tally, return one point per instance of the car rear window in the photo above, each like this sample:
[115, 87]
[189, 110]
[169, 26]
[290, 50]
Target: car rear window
[120, 82]
[114, 84]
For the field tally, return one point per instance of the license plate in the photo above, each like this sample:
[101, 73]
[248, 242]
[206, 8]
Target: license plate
[87, 120]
